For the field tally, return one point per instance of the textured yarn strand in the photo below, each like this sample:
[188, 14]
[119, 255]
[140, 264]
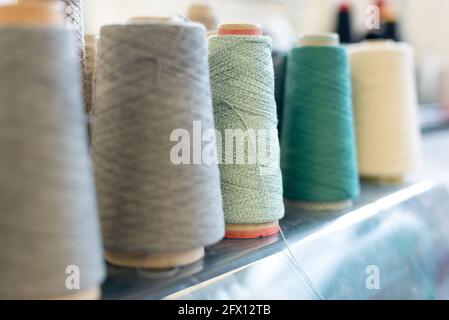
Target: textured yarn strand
[318, 145]
[385, 108]
[242, 80]
[151, 80]
[47, 199]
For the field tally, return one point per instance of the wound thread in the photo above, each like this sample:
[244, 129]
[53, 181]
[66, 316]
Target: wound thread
[48, 210]
[152, 79]
[242, 80]
[385, 108]
[318, 142]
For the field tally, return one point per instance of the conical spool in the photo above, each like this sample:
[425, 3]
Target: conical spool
[66, 221]
[164, 255]
[385, 109]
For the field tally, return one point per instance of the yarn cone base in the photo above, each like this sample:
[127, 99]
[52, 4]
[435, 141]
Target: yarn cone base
[239, 29]
[319, 206]
[164, 260]
[251, 231]
[247, 231]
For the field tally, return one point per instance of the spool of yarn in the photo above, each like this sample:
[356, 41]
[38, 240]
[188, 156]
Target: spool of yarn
[73, 11]
[203, 13]
[90, 64]
[385, 109]
[318, 146]
[389, 25]
[152, 78]
[242, 80]
[49, 231]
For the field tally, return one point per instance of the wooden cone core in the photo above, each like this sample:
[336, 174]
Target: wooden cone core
[162, 260]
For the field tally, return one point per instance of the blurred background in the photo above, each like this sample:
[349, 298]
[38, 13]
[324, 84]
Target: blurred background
[421, 23]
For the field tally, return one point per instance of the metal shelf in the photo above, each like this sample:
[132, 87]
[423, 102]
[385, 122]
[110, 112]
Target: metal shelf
[400, 230]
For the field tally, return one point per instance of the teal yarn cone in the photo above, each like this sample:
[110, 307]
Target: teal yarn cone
[318, 141]
[242, 81]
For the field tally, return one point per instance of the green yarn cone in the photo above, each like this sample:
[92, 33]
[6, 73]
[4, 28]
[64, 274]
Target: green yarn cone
[318, 141]
[242, 81]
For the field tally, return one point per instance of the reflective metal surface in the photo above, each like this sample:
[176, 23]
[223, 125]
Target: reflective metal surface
[393, 244]
[402, 237]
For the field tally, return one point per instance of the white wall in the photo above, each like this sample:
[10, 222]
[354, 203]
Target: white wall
[425, 22]
[422, 18]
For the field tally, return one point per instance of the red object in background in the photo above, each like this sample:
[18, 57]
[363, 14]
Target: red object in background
[344, 6]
